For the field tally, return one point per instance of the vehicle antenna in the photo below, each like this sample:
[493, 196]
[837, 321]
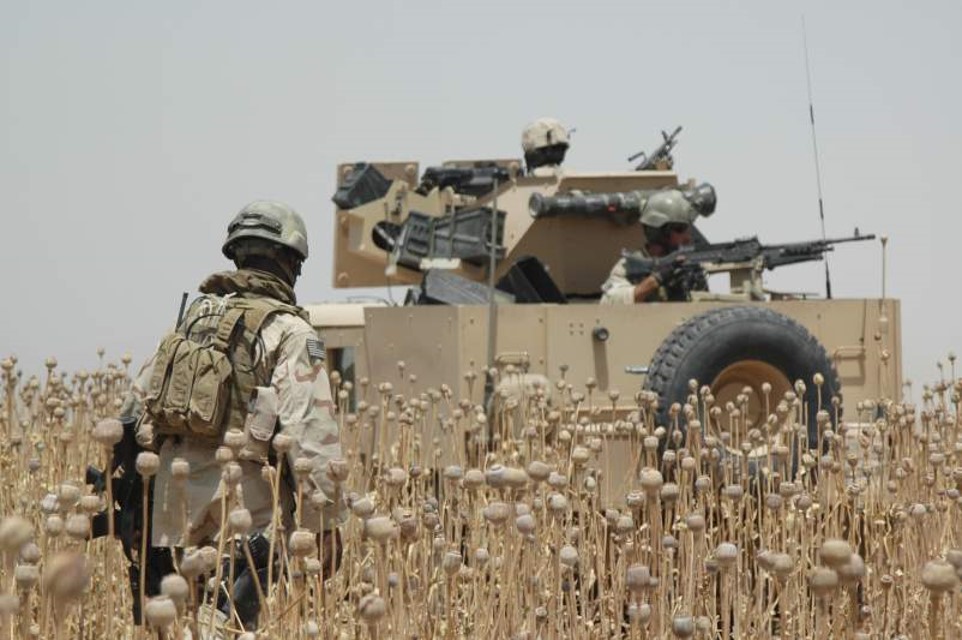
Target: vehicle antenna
[818, 172]
[492, 264]
[492, 311]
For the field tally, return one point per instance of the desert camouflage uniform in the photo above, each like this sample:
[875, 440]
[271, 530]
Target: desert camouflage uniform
[617, 289]
[305, 413]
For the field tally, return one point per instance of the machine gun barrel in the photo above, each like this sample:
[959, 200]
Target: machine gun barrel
[663, 152]
[738, 254]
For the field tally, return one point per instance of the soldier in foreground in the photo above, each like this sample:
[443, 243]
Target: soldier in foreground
[244, 361]
[545, 143]
[666, 220]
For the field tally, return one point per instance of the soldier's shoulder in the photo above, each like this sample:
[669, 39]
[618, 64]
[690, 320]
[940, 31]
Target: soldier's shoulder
[291, 321]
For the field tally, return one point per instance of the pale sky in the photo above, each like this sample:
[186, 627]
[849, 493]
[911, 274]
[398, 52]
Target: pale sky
[132, 132]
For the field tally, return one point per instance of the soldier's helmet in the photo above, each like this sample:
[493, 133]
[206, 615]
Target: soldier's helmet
[275, 222]
[667, 207]
[544, 142]
[543, 132]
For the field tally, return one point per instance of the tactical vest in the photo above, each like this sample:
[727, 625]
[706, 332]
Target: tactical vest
[205, 371]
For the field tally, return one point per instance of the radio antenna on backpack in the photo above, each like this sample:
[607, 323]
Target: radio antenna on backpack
[818, 172]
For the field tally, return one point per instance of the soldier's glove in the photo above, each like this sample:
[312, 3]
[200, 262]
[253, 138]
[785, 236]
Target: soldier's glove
[669, 269]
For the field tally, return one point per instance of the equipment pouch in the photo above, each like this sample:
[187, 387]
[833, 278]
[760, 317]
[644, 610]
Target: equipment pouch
[260, 423]
[189, 389]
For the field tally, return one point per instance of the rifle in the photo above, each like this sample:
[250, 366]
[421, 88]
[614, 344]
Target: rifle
[746, 254]
[127, 487]
[661, 155]
[470, 181]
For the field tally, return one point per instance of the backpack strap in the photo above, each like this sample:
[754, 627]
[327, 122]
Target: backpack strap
[226, 327]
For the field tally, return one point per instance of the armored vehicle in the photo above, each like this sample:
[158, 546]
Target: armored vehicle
[506, 269]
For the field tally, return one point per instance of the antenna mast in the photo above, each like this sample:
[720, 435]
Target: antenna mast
[818, 172]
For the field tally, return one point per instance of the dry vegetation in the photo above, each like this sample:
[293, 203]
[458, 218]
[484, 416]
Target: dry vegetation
[860, 539]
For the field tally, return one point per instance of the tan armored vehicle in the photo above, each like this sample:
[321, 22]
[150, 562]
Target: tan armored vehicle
[552, 244]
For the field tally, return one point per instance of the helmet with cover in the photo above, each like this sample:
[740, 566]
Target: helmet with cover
[268, 236]
[544, 142]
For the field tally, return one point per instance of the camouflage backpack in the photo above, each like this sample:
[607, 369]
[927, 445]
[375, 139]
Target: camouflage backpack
[205, 370]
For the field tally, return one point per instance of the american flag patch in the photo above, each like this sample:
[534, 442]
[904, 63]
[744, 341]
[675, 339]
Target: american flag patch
[315, 350]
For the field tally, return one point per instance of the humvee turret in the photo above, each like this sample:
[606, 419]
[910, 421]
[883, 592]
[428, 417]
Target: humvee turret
[506, 275]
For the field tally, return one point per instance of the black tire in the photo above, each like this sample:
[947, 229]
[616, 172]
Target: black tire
[708, 344]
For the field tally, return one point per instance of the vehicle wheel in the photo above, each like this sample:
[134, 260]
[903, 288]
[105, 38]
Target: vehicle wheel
[731, 348]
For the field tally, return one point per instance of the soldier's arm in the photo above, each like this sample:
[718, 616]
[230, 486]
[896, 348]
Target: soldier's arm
[617, 289]
[306, 414]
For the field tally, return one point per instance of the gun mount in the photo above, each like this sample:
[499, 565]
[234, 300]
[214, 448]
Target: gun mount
[375, 201]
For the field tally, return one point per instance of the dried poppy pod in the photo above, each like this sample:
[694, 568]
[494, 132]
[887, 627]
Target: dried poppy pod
[670, 493]
[638, 578]
[835, 552]
[160, 611]
[30, 553]
[381, 529]
[78, 526]
[823, 582]
[451, 563]
[395, 477]
[557, 503]
[240, 521]
[338, 470]
[312, 567]
[726, 554]
[108, 432]
[66, 576]
[148, 463]
[231, 474]
[26, 576]
[282, 443]
[362, 507]
[525, 524]
[407, 524]
[481, 556]
[580, 455]
[497, 513]
[939, 576]
[53, 525]
[651, 481]
[501, 477]
[683, 626]
[557, 480]
[624, 525]
[68, 494]
[235, 439]
[952, 556]
[851, 572]
[91, 504]
[371, 608]
[302, 543]
[15, 532]
[568, 556]
[538, 471]
[695, 522]
[175, 587]
[473, 479]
